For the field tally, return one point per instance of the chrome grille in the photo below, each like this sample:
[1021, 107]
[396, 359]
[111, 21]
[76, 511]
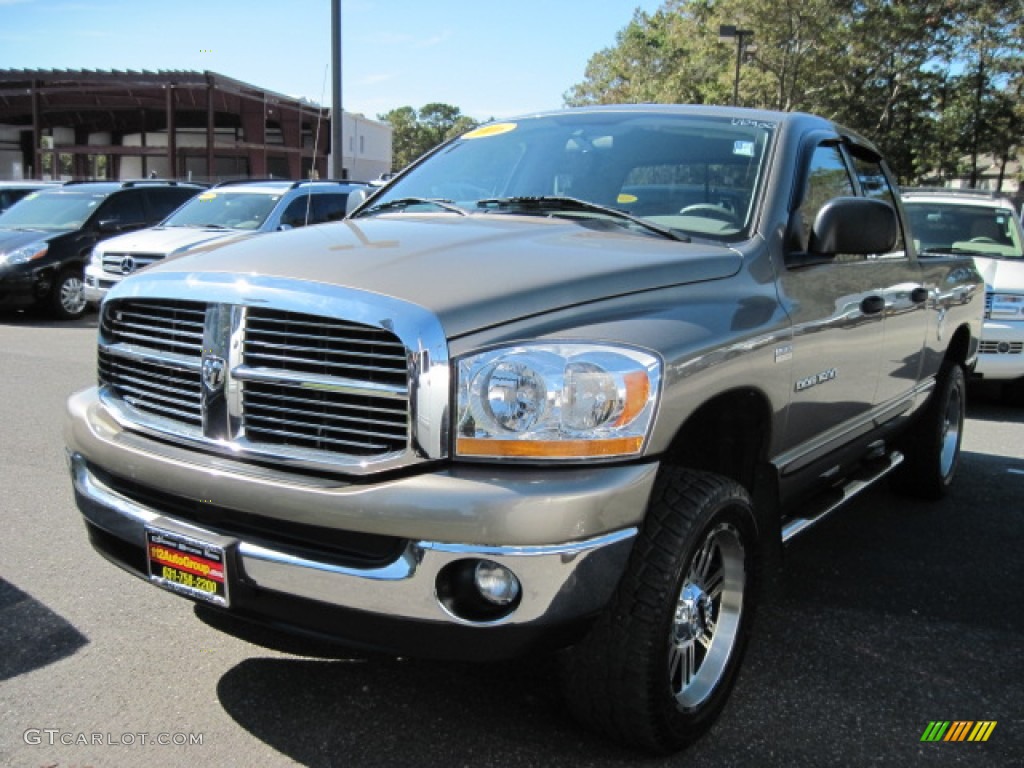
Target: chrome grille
[324, 384]
[988, 305]
[297, 386]
[115, 263]
[1001, 347]
[150, 356]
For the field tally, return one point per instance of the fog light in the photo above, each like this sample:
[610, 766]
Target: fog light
[496, 583]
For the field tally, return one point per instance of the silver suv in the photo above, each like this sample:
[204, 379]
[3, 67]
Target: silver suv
[983, 225]
[228, 211]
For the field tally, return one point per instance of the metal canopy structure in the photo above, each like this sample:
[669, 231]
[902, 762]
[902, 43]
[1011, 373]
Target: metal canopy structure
[187, 123]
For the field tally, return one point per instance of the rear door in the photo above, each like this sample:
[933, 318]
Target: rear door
[898, 280]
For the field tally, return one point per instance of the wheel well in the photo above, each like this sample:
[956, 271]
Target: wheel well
[728, 435]
[959, 345]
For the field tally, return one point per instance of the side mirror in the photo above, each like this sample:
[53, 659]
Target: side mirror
[355, 198]
[855, 225]
[108, 226]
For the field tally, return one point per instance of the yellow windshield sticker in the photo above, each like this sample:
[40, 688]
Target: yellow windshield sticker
[31, 195]
[495, 129]
[624, 198]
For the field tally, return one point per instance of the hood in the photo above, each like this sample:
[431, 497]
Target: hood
[12, 239]
[166, 240]
[1001, 274]
[471, 271]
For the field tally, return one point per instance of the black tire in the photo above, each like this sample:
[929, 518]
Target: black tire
[67, 301]
[685, 602]
[932, 446]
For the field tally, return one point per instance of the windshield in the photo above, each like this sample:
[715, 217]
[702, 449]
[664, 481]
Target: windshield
[232, 209]
[949, 227]
[686, 173]
[51, 211]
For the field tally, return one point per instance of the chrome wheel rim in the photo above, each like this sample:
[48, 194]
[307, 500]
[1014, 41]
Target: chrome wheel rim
[706, 621]
[72, 295]
[952, 423]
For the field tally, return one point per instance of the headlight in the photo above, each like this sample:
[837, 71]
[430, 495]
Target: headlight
[27, 253]
[556, 401]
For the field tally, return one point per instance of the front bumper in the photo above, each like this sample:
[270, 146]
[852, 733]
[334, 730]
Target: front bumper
[97, 283]
[1001, 353]
[565, 534]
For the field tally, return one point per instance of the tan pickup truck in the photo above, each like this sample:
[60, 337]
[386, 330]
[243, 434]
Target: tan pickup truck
[568, 382]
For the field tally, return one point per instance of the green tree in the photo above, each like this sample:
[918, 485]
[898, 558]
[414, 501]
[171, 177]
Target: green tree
[416, 133]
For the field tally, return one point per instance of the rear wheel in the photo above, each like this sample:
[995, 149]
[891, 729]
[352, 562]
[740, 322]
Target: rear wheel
[67, 299]
[657, 667]
[932, 446]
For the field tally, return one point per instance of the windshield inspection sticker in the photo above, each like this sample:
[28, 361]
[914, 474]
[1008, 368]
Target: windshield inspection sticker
[490, 130]
[743, 148]
[207, 197]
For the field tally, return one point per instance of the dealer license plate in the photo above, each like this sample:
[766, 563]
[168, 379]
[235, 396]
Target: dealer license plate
[187, 565]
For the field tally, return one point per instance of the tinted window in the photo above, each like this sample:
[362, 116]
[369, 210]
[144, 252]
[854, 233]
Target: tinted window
[827, 178]
[329, 207]
[875, 184]
[164, 200]
[298, 212]
[124, 208]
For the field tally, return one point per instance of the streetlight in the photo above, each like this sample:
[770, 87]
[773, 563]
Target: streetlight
[728, 33]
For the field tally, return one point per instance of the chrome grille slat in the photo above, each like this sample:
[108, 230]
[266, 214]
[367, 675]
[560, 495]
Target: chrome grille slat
[280, 416]
[398, 413]
[258, 358]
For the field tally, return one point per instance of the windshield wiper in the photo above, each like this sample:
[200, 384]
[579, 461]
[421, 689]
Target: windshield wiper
[560, 203]
[405, 202]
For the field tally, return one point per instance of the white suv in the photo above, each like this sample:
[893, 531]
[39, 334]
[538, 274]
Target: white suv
[986, 226]
[228, 211]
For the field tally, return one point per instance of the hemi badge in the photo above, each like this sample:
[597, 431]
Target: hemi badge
[784, 354]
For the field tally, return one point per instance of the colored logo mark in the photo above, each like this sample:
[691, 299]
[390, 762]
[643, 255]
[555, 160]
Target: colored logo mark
[958, 730]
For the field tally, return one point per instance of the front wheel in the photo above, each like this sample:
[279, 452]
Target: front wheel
[658, 665]
[67, 300]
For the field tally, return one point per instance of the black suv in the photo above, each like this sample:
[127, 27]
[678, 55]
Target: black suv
[46, 239]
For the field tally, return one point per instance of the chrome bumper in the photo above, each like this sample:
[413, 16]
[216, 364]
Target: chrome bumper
[560, 582]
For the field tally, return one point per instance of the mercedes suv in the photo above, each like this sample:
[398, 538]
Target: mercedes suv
[229, 211]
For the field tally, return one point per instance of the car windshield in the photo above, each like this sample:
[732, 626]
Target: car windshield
[950, 228]
[228, 209]
[683, 173]
[51, 211]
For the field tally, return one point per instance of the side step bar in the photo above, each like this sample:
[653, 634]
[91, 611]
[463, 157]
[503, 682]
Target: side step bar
[871, 474]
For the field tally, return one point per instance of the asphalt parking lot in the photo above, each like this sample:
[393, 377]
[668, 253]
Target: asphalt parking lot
[890, 615]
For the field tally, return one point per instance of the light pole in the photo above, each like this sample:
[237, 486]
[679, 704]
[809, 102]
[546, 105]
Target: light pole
[728, 33]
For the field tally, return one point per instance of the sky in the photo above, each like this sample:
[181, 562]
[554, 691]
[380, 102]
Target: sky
[489, 59]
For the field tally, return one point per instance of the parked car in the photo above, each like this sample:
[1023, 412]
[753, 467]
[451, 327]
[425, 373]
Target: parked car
[12, 191]
[983, 225]
[568, 382]
[229, 211]
[45, 239]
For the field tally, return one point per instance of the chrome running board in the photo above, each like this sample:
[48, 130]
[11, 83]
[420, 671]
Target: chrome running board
[871, 473]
